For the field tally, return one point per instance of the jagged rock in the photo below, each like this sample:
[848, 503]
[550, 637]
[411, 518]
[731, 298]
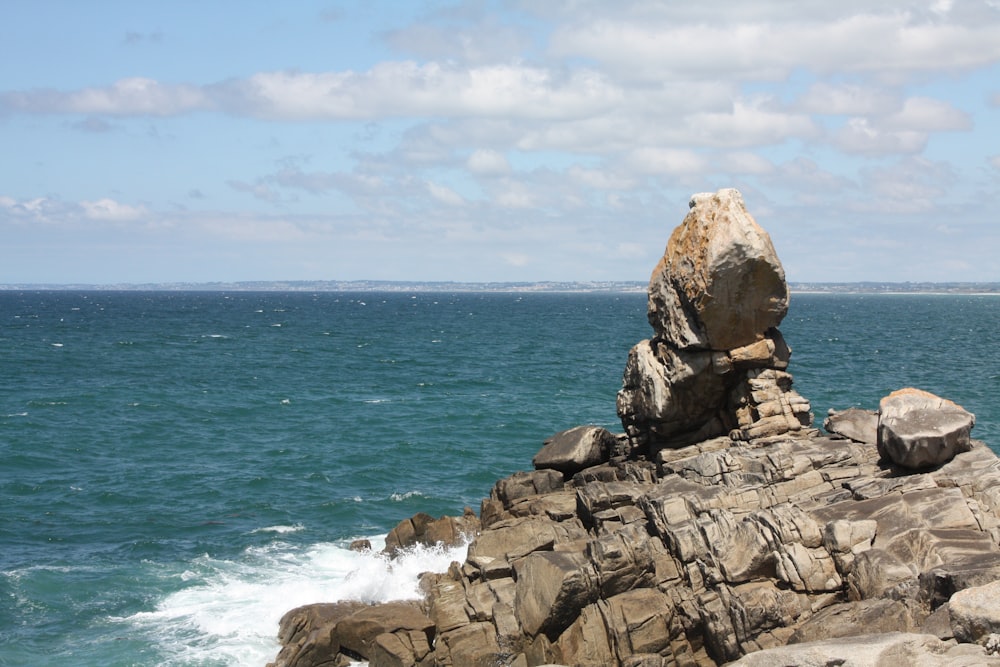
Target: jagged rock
[552, 588]
[306, 634]
[854, 423]
[919, 430]
[573, 450]
[667, 393]
[424, 529]
[719, 285]
[863, 617]
[356, 633]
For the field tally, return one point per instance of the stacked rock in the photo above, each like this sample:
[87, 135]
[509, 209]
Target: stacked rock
[716, 363]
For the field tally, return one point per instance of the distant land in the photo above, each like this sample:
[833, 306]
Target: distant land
[619, 286]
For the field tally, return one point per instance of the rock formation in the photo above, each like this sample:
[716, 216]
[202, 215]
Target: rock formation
[679, 543]
[716, 363]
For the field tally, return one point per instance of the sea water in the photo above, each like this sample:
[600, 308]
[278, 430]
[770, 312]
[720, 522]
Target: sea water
[178, 469]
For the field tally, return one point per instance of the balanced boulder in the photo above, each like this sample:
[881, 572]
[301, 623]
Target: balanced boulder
[716, 363]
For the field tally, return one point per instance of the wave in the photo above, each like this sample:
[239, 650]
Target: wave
[281, 530]
[228, 611]
[398, 497]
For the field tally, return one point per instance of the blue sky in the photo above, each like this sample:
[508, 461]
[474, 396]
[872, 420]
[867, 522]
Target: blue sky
[492, 141]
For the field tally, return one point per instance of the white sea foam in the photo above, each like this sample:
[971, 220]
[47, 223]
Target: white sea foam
[228, 611]
[281, 530]
[403, 496]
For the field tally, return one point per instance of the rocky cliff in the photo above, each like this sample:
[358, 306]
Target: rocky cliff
[720, 527]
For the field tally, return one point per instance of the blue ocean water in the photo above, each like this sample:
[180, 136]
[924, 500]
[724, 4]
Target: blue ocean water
[177, 469]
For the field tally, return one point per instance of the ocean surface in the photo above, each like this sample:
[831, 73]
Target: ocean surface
[178, 469]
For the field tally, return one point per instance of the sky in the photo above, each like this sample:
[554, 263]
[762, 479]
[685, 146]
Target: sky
[203, 141]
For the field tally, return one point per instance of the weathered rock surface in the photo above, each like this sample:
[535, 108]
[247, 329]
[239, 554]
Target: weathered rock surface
[917, 429]
[854, 423]
[571, 451]
[716, 363]
[719, 285]
[975, 613]
[719, 528]
[878, 650]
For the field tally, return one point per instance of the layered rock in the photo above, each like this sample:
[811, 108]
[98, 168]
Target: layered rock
[716, 363]
[777, 546]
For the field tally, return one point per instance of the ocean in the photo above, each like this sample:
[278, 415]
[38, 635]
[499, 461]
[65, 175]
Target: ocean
[178, 469]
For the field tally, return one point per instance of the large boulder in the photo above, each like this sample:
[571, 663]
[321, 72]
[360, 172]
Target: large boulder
[577, 448]
[719, 285]
[920, 430]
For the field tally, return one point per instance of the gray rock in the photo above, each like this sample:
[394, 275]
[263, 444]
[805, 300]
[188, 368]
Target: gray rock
[892, 649]
[920, 430]
[975, 613]
[854, 423]
[577, 448]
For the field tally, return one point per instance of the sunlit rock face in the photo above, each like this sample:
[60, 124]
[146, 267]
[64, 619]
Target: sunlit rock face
[716, 362]
[719, 285]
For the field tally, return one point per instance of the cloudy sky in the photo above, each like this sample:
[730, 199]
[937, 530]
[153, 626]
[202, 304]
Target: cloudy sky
[480, 141]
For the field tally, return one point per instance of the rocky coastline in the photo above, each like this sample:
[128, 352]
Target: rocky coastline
[721, 526]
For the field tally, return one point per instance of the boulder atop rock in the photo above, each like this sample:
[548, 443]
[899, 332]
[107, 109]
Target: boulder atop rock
[719, 285]
[717, 362]
[920, 430]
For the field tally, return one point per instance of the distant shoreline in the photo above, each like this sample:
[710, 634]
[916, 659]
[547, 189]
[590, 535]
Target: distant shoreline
[554, 287]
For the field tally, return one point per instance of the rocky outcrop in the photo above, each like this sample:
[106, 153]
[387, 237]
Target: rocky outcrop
[777, 546]
[716, 363]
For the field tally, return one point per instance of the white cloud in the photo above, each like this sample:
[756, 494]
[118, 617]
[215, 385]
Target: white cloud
[995, 161]
[480, 43]
[486, 162]
[911, 185]
[927, 114]
[742, 162]
[36, 209]
[904, 131]
[516, 259]
[514, 194]
[751, 122]
[861, 136]
[665, 161]
[109, 210]
[601, 179]
[847, 99]
[767, 41]
[398, 89]
[126, 97]
[444, 194]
